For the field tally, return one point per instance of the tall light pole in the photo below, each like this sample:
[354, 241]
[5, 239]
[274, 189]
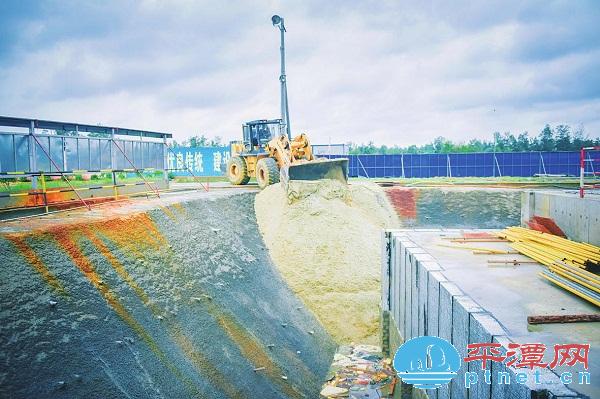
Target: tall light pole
[285, 113]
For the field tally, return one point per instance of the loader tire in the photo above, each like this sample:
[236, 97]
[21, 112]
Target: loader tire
[267, 172]
[237, 171]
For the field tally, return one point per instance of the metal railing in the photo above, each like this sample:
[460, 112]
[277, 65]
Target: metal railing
[39, 148]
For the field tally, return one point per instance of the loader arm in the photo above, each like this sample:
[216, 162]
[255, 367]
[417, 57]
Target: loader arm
[297, 162]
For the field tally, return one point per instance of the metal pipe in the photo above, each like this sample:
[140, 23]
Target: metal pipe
[285, 112]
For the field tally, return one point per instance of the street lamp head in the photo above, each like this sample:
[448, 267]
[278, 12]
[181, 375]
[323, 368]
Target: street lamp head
[276, 19]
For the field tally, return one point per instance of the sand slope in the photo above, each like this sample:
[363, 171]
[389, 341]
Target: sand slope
[325, 239]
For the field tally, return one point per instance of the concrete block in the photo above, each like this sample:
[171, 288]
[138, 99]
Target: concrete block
[483, 327]
[498, 391]
[404, 274]
[422, 283]
[550, 385]
[395, 277]
[423, 257]
[432, 266]
[407, 242]
[462, 307]
[448, 291]
[408, 299]
[414, 312]
[433, 303]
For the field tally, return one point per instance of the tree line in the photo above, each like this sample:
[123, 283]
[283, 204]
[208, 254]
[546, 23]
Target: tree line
[198, 141]
[558, 138]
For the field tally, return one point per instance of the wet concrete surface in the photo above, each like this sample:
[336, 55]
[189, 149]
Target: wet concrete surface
[155, 300]
[456, 207]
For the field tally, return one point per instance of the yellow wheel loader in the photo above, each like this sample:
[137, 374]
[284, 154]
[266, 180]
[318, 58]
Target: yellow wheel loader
[268, 152]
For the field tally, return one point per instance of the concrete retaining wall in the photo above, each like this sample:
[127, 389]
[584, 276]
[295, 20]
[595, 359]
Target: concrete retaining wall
[418, 300]
[578, 217]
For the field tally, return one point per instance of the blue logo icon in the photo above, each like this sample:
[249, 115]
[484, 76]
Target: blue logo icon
[426, 362]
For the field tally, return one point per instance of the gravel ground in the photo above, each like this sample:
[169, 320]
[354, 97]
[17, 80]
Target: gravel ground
[180, 301]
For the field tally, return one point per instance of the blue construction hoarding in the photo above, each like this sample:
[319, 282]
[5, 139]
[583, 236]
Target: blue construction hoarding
[211, 161]
[521, 164]
[202, 161]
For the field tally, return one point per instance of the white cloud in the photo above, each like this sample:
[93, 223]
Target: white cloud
[380, 71]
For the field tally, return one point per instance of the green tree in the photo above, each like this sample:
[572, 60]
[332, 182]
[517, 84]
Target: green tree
[523, 142]
[546, 139]
[563, 138]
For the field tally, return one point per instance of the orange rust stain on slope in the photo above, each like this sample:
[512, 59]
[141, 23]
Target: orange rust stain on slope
[204, 366]
[252, 349]
[151, 227]
[180, 208]
[67, 242]
[136, 234]
[120, 270]
[197, 358]
[28, 253]
[168, 212]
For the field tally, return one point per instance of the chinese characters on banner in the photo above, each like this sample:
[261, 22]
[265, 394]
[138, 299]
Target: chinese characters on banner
[202, 161]
[528, 355]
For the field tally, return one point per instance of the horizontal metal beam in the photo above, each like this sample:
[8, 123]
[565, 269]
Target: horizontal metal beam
[71, 126]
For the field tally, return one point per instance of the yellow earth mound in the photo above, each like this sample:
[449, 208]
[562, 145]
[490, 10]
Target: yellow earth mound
[325, 238]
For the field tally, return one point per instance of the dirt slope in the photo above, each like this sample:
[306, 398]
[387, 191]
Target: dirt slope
[177, 302]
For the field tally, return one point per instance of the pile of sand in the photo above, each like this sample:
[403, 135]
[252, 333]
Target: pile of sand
[325, 238]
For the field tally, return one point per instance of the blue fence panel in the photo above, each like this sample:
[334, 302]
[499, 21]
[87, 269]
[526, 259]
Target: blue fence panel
[202, 161]
[520, 164]
[211, 161]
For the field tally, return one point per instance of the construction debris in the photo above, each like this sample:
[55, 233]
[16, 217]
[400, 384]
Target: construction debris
[360, 372]
[545, 225]
[565, 318]
[571, 265]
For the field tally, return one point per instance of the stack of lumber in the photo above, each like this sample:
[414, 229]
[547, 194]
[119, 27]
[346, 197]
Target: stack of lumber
[572, 265]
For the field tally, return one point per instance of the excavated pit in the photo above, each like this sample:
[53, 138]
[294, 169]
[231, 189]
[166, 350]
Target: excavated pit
[179, 301]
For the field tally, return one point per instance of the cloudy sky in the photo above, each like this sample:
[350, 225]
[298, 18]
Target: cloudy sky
[394, 72]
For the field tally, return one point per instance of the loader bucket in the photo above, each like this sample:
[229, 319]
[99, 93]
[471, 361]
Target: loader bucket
[336, 169]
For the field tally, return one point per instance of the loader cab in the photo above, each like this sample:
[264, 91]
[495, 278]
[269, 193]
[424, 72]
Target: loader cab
[258, 133]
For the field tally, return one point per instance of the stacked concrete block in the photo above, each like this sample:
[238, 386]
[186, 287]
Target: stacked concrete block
[421, 301]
